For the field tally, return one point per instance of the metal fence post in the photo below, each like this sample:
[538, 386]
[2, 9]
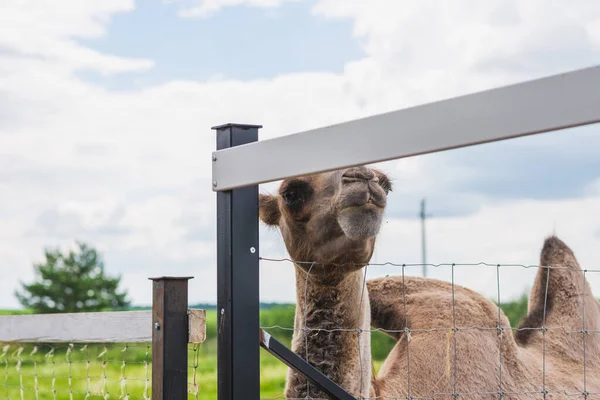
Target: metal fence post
[169, 338]
[237, 279]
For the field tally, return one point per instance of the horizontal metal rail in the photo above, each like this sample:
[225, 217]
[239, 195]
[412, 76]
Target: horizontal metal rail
[541, 105]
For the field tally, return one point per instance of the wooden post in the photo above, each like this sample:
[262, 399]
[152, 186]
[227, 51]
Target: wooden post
[170, 338]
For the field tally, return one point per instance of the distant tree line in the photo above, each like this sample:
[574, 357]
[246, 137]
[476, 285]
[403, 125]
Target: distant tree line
[73, 281]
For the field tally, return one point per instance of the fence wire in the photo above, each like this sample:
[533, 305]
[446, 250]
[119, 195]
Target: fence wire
[497, 392]
[104, 371]
[69, 371]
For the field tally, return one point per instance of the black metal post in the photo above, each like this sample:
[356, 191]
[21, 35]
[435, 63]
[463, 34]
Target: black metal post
[169, 338]
[238, 376]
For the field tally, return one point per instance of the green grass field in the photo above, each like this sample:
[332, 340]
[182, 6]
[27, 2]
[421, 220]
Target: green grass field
[99, 372]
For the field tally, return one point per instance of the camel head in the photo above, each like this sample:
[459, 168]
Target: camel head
[331, 218]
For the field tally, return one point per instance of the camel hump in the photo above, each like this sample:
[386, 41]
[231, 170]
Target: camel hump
[398, 303]
[558, 293]
[556, 253]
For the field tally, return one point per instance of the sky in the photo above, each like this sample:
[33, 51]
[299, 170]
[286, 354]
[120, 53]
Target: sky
[106, 108]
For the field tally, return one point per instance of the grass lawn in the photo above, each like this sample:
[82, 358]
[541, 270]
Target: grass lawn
[108, 371]
[53, 373]
[118, 370]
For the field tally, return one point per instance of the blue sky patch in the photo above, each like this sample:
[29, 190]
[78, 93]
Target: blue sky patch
[238, 42]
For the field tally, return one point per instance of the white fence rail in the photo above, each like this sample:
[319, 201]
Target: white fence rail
[92, 327]
[541, 105]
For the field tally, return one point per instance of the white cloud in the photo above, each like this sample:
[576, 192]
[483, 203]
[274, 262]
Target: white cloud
[423, 50]
[130, 170]
[45, 32]
[205, 8]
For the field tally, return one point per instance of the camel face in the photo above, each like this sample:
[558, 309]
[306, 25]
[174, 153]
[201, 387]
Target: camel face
[329, 218]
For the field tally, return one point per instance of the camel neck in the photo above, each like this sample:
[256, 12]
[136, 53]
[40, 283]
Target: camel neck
[333, 311]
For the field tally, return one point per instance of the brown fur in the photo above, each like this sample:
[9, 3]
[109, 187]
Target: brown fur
[432, 363]
[325, 219]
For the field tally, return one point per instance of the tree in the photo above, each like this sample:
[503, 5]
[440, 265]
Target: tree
[73, 282]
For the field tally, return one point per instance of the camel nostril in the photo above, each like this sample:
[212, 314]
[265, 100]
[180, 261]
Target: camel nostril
[359, 174]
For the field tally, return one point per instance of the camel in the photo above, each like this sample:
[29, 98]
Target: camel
[560, 294]
[450, 343]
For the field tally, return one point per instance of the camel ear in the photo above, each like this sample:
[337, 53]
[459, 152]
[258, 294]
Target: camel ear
[268, 209]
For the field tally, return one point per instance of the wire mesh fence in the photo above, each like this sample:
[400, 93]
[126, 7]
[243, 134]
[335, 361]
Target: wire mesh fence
[86, 371]
[140, 354]
[76, 371]
[571, 338]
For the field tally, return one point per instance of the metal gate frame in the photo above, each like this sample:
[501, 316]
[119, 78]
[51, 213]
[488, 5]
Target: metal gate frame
[241, 163]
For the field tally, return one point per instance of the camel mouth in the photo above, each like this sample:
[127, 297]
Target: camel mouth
[373, 203]
[361, 222]
[368, 204]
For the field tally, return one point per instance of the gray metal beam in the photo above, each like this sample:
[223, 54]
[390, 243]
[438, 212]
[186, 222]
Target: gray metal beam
[541, 105]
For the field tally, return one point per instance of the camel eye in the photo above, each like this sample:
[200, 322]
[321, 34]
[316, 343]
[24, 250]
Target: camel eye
[295, 194]
[292, 196]
[385, 183]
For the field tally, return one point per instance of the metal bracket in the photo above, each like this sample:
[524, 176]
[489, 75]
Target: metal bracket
[292, 360]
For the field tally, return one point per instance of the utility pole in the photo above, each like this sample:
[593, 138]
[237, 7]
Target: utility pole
[423, 243]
